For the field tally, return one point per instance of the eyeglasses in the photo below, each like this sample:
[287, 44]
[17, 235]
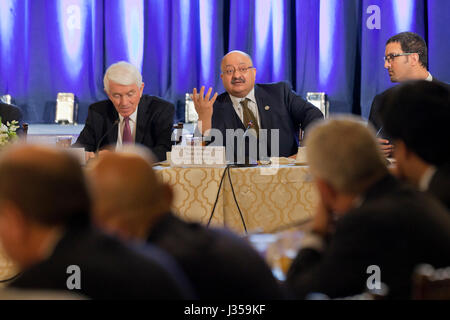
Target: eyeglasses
[231, 70]
[392, 56]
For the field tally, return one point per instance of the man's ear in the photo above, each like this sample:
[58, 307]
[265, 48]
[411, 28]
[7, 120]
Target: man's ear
[327, 192]
[415, 59]
[107, 94]
[15, 226]
[141, 90]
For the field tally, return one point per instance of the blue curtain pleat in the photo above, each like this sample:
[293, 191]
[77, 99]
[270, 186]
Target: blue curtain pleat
[51, 46]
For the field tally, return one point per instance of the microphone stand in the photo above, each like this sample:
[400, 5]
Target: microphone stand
[106, 134]
[247, 162]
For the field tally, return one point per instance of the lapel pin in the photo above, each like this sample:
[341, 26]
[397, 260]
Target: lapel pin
[267, 108]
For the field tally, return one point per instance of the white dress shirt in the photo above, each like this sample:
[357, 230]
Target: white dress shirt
[121, 126]
[429, 78]
[251, 105]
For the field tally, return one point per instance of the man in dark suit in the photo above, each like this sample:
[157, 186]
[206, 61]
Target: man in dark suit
[9, 113]
[44, 228]
[128, 116]
[264, 106]
[421, 138]
[369, 228]
[219, 264]
[406, 58]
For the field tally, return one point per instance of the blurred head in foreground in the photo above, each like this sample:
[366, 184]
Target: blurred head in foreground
[416, 115]
[42, 192]
[344, 159]
[129, 198]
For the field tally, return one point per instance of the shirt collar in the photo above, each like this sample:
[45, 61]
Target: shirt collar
[132, 117]
[425, 180]
[430, 77]
[250, 96]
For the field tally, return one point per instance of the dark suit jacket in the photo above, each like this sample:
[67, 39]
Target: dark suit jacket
[219, 264]
[154, 125]
[287, 112]
[109, 269]
[375, 112]
[440, 185]
[395, 228]
[9, 113]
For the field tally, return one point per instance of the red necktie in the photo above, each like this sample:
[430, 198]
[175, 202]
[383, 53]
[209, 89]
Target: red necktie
[126, 136]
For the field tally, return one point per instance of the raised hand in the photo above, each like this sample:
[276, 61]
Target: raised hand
[204, 106]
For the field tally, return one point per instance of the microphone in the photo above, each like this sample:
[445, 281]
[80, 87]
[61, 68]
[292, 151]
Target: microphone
[107, 132]
[249, 126]
[247, 161]
[379, 132]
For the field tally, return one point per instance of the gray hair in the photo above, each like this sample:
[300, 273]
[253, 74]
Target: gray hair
[345, 153]
[123, 73]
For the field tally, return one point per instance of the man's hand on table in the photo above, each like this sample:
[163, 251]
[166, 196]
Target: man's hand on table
[89, 155]
[386, 147]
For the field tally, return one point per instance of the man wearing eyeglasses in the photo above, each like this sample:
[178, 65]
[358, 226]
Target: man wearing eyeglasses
[128, 116]
[259, 106]
[406, 58]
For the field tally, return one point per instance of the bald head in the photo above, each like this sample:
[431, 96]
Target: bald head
[236, 54]
[128, 197]
[238, 75]
[47, 185]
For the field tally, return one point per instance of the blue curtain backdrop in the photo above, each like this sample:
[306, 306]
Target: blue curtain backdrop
[335, 46]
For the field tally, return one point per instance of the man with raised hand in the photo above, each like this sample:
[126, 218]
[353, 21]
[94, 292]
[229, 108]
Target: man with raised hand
[266, 106]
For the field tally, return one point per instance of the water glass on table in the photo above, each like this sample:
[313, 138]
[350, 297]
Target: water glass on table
[64, 141]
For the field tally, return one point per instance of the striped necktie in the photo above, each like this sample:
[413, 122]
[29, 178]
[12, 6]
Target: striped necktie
[249, 116]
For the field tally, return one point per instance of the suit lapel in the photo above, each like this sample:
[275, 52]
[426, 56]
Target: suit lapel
[112, 117]
[142, 119]
[228, 107]
[262, 101]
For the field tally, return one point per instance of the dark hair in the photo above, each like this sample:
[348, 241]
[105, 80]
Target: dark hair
[54, 194]
[418, 113]
[412, 42]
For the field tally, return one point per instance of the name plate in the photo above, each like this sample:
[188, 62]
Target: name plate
[197, 156]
